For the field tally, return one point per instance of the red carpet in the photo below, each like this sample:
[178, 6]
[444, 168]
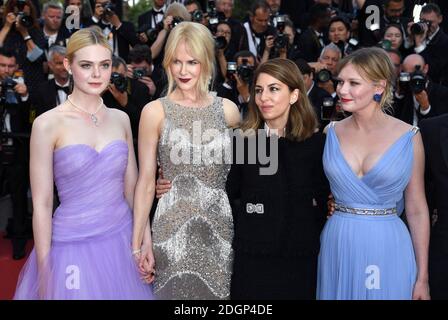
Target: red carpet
[9, 268]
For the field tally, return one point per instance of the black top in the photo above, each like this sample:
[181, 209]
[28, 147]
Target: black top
[290, 224]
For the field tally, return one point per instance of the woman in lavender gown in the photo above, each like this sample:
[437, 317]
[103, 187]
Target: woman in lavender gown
[84, 250]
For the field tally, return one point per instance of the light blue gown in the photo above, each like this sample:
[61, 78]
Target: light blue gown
[367, 256]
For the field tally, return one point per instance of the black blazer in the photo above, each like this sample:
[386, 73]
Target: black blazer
[124, 37]
[316, 96]
[435, 138]
[145, 19]
[44, 97]
[138, 97]
[290, 224]
[436, 57]
[310, 45]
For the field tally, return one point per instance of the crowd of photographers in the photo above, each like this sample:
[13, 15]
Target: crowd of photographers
[315, 34]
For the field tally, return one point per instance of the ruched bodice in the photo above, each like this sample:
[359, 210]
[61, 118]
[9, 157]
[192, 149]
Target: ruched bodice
[90, 186]
[382, 186]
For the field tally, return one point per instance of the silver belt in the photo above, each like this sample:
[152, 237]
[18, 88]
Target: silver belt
[363, 211]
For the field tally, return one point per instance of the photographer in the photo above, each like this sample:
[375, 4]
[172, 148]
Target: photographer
[258, 29]
[431, 42]
[53, 92]
[282, 44]
[322, 102]
[421, 97]
[14, 113]
[128, 95]
[142, 69]
[21, 32]
[150, 19]
[325, 68]
[313, 39]
[339, 33]
[237, 42]
[121, 34]
[223, 38]
[194, 9]
[238, 80]
[175, 14]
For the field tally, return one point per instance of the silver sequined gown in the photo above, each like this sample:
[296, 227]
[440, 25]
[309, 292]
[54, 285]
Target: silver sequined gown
[193, 225]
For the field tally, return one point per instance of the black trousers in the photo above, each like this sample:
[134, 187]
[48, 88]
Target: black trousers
[15, 177]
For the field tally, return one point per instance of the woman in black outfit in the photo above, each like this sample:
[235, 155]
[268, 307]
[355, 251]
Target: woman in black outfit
[278, 217]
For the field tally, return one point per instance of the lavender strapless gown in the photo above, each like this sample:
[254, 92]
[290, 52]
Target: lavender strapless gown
[90, 255]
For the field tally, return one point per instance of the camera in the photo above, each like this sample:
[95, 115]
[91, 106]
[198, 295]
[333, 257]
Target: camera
[151, 33]
[418, 27]
[323, 75]
[214, 17]
[139, 73]
[25, 20]
[281, 40]
[327, 108]
[176, 21]
[385, 44]
[220, 42]
[231, 70]
[8, 94]
[197, 16]
[119, 81]
[109, 9]
[415, 81]
[245, 71]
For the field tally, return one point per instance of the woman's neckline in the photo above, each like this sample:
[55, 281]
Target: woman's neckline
[193, 107]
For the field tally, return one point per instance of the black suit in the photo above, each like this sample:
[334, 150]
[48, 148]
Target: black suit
[138, 97]
[147, 20]
[45, 97]
[310, 45]
[317, 96]
[13, 169]
[435, 55]
[437, 96]
[124, 37]
[435, 137]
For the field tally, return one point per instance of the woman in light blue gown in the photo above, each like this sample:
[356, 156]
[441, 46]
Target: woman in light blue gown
[373, 162]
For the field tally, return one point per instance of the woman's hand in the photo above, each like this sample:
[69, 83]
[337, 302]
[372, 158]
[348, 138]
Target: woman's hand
[162, 185]
[330, 205]
[421, 291]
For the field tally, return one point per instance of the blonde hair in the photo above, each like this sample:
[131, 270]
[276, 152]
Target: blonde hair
[302, 120]
[200, 45]
[373, 64]
[83, 38]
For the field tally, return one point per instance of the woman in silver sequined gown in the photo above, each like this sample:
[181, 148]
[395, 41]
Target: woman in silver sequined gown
[192, 230]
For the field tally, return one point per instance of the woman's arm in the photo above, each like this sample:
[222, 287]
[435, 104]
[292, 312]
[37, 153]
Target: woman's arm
[231, 113]
[149, 129]
[158, 45]
[41, 178]
[418, 218]
[130, 178]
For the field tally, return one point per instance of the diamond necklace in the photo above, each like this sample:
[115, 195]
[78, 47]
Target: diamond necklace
[92, 115]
